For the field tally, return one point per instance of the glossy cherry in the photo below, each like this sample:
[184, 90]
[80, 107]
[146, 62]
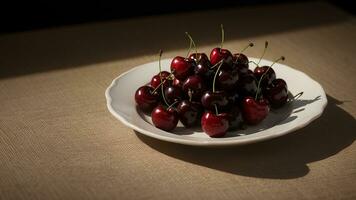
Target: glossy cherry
[156, 80]
[267, 78]
[199, 57]
[195, 85]
[240, 58]
[214, 125]
[189, 112]
[146, 99]
[276, 93]
[254, 111]
[182, 67]
[247, 84]
[177, 82]
[165, 119]
[173, 94]
[227, 79]
[218, 54]
[218, 98]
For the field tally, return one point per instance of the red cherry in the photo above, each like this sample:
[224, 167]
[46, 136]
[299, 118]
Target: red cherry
[165, 119]
[182, 67]
[253, 112]
[276, 93]
[227, 79]
[195, 85]
[240, 58]
[214, 125]
[267, 78]
[173, 94]
[156, 80]
[177, 82]
[218, 54]
[146, 99]
[218, 98]
[189, 112]
[247, 84]
[199, 57]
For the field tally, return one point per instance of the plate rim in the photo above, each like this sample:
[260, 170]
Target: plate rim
[215, 142]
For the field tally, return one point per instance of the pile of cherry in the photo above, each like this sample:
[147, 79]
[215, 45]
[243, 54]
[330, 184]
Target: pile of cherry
[219, 94]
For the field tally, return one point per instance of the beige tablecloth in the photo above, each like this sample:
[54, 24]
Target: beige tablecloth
[58, 141]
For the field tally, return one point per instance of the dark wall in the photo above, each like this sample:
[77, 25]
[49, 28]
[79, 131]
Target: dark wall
[22, 16]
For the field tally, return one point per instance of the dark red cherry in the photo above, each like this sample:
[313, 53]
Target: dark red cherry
[195, 85]
[190, 112]
[218, 54]
[214, 125]
[276, 93]
[227, 79]
[199, 57]
[182, 67]
[165, 119]
[218, 98]
[146, 99]
[267, 78]
[156, 80]
[203, 65]
[247, 84]
[173, 94]
[254, 111]
[177, 82]
[240, 58]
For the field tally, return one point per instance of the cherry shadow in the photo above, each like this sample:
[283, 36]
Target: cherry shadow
[285, 157]
[37, 51]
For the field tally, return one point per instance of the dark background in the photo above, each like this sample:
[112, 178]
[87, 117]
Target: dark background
[24, 16]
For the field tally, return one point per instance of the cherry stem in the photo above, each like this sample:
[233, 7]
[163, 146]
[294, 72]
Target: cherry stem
[160, 77]
[263, 75]
[264, 51]
[246, 47]
[172, 104]
[222, 36]
[216, 109]
[218, 63]
[192, 42]
[190, 47]
[253, 62]
[216, 74]
[295, 97]
[190, 94]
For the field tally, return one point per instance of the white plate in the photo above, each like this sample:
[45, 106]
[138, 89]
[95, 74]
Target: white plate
[121, 103]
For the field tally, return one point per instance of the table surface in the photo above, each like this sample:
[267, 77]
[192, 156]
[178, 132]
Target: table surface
[58, 140]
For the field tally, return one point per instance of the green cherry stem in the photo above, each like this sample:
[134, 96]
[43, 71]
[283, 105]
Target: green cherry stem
[263, 75]
[172, 104]
[160, 70]
[295, 97]
[216, 109]
[253, 62]
[190, 47]
[192, 42]
[244, 49]
[264, 51]
[222, 36]
[218, 63]
[216, 74]
[190, 94]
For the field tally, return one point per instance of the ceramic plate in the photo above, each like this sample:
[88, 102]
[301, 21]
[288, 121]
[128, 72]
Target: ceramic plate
[293, 116]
